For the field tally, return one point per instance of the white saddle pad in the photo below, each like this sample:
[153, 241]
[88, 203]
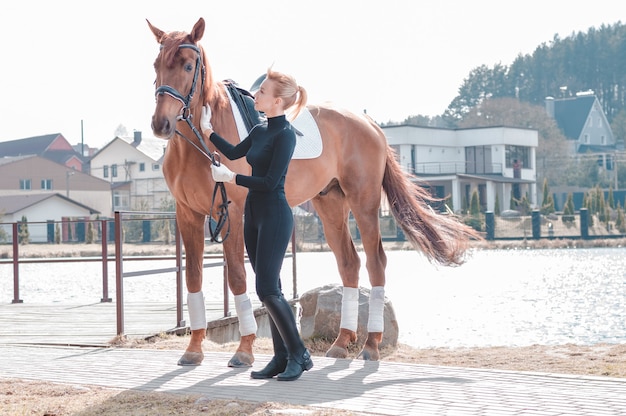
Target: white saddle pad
[308, 145]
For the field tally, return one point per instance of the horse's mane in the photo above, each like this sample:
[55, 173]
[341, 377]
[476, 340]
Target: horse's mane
[212, 92]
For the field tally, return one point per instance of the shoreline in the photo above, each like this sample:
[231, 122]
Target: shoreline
[42, 250]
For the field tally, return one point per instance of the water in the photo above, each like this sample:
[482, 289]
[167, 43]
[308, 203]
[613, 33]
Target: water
[497, 298]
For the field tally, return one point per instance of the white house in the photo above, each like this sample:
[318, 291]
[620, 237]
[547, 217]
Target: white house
[133, 166]
[40, 209]
[499, 162]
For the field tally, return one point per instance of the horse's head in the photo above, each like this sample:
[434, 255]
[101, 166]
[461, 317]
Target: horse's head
[182, 79]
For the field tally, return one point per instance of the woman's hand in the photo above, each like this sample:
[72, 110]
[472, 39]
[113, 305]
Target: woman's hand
[222, 174]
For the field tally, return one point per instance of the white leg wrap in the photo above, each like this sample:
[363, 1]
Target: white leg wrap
[376, 321]
[243, 307]
[197, 310]
[349, 308]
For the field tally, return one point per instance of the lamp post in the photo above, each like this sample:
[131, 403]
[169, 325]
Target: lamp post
[68, 173]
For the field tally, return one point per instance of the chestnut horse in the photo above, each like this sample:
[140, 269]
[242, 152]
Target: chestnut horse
[355, 167]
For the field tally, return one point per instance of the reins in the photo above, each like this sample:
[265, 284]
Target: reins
[215, 227]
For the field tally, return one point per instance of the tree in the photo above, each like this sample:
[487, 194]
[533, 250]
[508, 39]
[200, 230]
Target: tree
[475, 204]
[611, 198]
[90, 238]
[23, 234]
[121, 131]
[496, 206]
[568, 209]
[57, 233]
[620, 222]
[474, 220]
[547, 204]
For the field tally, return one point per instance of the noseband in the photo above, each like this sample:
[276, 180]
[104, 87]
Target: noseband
[174, 93]
[215, 227]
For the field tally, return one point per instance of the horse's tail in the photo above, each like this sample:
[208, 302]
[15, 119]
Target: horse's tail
[442, 238]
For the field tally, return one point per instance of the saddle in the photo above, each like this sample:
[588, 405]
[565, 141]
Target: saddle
[245, 104]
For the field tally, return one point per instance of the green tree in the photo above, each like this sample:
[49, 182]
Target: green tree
[568, 209]
[611, 198]
[23, 234]
[90, 238]
[547, 204]
[620, 222]
[474, 219]
[496, 206]
[475, 204]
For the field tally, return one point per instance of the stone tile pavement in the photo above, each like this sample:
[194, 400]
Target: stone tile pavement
[378, 388]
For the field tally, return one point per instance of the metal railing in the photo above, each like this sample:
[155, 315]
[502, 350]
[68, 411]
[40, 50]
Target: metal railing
[119, 235]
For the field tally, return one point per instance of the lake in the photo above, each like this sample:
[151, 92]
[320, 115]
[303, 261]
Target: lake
[497, 298]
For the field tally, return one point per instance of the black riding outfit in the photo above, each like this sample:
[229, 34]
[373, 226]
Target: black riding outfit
[268, 225]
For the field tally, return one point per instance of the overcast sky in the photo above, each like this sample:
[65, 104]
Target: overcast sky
[67, 61]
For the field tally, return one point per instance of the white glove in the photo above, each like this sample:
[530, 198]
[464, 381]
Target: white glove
[205, 119]
[222, 174]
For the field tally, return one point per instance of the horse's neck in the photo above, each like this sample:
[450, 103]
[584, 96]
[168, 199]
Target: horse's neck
[222, 115]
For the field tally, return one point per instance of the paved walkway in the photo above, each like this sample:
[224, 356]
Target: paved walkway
[381, 388]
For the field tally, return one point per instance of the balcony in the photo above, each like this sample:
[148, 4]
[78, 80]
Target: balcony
[451, 168]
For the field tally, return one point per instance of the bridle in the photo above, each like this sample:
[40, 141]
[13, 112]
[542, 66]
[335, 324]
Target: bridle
[185, 115]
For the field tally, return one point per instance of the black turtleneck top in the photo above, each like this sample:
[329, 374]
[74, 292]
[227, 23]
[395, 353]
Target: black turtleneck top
[268, 149]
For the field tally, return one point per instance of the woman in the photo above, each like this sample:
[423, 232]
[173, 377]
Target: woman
[268, 218]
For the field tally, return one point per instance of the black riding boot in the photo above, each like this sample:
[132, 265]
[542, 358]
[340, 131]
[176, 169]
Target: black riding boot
[299, 357]
[278, 363]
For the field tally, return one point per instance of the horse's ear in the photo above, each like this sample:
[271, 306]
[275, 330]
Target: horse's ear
[158, 33]
[197, 31]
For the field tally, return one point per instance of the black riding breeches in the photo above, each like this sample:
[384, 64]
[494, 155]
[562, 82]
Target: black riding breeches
[268, 225]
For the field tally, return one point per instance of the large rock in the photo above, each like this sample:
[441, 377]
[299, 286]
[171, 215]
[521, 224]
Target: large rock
[321, 315]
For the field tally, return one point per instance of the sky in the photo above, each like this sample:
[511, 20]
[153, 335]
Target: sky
[83, 68]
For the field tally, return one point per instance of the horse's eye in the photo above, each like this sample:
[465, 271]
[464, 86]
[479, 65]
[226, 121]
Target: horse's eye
[188, 67]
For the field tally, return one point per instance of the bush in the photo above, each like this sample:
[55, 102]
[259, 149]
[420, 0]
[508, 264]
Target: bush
[474, 222]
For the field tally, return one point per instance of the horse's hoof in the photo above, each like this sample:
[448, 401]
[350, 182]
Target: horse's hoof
[337, 352]
[191, 358]
[368, 355]
[241, 360]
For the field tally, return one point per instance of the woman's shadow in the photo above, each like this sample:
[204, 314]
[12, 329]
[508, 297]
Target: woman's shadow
[329, 380]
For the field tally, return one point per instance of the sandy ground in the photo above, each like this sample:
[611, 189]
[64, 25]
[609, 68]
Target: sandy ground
[20, 397]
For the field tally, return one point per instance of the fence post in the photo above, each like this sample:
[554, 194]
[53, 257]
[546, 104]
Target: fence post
[105, 264]
[490, 225]
[119, 279]
[584, 223]
[16, 266]
[536, 224]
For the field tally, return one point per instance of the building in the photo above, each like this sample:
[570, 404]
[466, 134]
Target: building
[40, 210]
[133, 167]
[585, 126]
[30, 175]
[53, 147]
[497, 162]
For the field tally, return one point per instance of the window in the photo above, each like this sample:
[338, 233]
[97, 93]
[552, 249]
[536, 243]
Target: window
[121, 200]
[142, 167]
[603, 140]
[586, 138]
[519, 153]
[156, 166]
[25, 184]
[114, 171]
[105, 171]
[46, 184]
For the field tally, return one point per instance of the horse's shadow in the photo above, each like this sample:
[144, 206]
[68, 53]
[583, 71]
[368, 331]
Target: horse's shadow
[315, 386]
